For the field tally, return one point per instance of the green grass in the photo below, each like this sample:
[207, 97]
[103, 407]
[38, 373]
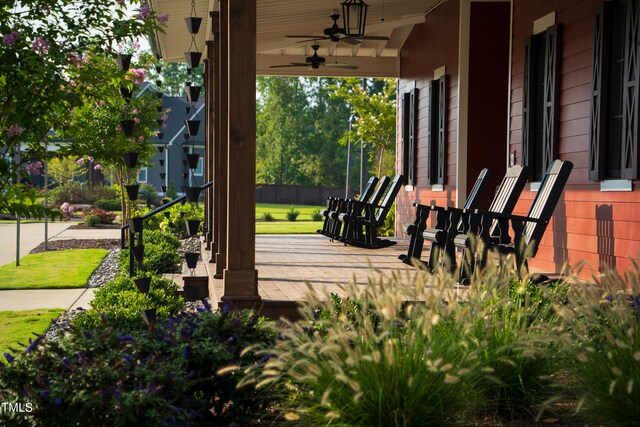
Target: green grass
[16, 327]
[48, 270]
[279, 212]
[288, 227]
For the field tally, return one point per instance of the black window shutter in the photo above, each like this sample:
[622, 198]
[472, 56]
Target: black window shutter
[406, 106]
[630, 95]
[442, 128]
[413, 101]
[599, 91]
[551, 95]
[528, 103]
[432, 133]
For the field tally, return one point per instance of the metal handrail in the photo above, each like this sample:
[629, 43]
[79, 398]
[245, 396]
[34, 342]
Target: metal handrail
[157, 211]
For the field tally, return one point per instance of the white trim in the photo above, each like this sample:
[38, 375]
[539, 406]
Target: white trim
[181, 131]
[463, 101]
[616, 185]
[409, 188]
[535, 186]
[200, 162]
[146, 175]
[439, 72]
[437, 187]
[540, 25]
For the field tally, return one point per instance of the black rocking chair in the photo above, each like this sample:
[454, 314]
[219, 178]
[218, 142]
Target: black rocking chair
[527, 230]
[443, 219]
[333, 205]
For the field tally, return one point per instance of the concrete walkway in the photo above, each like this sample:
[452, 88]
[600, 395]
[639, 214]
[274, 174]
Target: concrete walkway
[31, 235]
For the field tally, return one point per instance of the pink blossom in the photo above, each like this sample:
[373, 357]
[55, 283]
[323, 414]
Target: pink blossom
[139, 75]
[90, 158]
[101, 104]
[163, 19]
[118, 127]
[34, 167]
[135, 45]
[141, 138]
[164, 117]
[15, 130]
[125, 107]
[80, 161]
[136, 119]
[145, 12]
[97, 167]
[10, 39]
[40, 45]
[72, 83]
[134, 111]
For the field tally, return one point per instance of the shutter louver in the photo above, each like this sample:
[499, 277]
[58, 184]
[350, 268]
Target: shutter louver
[442, 129]
[630, 95]
[551, 95]
[528, 103]
[599, 80]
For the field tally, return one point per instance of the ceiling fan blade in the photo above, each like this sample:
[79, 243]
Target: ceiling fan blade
[371, 37]
[350, 40]
[343, 66]
[293, 64]
[311, 40]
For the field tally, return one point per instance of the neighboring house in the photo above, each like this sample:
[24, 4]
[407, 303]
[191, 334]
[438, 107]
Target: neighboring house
[491, 84]
[174, 143]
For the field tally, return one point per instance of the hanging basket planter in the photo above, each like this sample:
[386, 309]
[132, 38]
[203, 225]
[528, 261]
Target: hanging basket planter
[159, 108]
[164, 188]
[160, 149]
[132, 191]
[159, 83]
[126, 92]
[160, 135]
[192, 226]
[138, 253]
[161, 162]
[192, 160]
[163, 175]
[193, 93]
[185, 175]
[192, 259]
[130, 159]
[143, 284]
[187, 109]
[149, 316]
[159, 122]
[191, 292]
[123, 61]
[192, 193]
[158, 68]
[193, 24]
[192, 126]
[135, 224]
[127, 127]
[193, 59]
[159, 95]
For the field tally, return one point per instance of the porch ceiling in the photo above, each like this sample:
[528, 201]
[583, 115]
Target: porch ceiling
[277, 18]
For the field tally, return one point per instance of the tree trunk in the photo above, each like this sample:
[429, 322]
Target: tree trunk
[380, 161]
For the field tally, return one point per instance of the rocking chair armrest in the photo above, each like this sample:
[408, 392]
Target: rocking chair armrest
[511, 217]
[446, 208]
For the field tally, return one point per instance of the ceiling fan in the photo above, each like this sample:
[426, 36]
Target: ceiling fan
[315, 61]
[337, 34]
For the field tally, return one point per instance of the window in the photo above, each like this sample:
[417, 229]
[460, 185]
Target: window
[199, 170]
[614, 113]
[409, 101]
[142, 175]
[540, 101]
[437, 135]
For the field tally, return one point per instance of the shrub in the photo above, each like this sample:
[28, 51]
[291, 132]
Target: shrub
[266, 216]
[108, 204]
[316, 215]
[80, 193]
[153, 193]
[292, 214]
[177, 214]
[105, 217]
[159, 258]
[119, 304]
[92, 220]
[173, 374]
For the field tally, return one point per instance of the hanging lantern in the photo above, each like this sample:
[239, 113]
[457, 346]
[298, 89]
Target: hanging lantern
[354, 13]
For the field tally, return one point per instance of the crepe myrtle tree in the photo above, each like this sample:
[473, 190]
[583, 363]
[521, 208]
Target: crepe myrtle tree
[93, 130]
[41, 42]
[376, 125]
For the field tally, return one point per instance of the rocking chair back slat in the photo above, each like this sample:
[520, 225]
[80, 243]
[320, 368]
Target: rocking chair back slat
[478, 190]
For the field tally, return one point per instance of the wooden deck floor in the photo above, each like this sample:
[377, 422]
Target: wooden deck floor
[285, 263]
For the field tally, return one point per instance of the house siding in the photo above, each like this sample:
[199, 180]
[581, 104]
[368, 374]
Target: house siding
[588, 224]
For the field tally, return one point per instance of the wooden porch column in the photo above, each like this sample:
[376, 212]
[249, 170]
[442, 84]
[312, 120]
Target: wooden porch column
[210, 146]
[221, 140]
[208, 78]
[240, 276]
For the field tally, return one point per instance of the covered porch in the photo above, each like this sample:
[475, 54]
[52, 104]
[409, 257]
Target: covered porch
[239, 40]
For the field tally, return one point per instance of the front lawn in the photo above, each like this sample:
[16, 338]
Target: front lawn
[288, 227]
[279, 211]
[55, 269]
[16, 327]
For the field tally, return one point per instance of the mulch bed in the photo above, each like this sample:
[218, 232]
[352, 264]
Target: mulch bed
[59, 245]
[97, 226]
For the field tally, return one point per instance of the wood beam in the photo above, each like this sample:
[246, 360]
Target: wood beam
[220, 180]
[240, 276]
[209, 146]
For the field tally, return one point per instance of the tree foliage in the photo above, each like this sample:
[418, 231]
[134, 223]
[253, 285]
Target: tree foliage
[43, 41]
[173, 76]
